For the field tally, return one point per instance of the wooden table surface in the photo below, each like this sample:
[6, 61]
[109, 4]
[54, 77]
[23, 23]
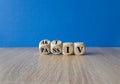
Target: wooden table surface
[27, 66]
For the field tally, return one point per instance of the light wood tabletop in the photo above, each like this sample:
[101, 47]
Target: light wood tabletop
[27, 66]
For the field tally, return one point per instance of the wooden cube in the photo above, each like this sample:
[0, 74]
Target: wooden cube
[68, 48]
[44, 47]
[79, 48]
[56, 47]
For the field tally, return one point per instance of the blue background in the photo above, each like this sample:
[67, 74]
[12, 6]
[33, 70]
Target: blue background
[23, 23]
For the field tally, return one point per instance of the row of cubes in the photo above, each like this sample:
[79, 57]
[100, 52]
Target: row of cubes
[57, 47]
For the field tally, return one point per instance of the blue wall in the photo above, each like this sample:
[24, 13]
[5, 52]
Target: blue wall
[26, 22]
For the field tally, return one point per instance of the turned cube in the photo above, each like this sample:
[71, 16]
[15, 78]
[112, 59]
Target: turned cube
[68, 48]
[79, 48]
[56, 47]
[44, 47]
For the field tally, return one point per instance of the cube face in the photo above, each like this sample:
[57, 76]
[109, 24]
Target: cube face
[68, 48]
[44, 47]
[56, 47]
[79, 48]
[44, 50]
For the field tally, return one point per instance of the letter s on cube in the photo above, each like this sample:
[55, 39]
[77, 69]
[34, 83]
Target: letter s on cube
[56, 47]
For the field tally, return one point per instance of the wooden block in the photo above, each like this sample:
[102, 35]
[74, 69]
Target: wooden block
[68, 48]
[79, 48]
[56, 47]
[44, 47]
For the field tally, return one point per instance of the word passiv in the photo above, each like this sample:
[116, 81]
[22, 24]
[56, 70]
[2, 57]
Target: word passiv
[57, 47]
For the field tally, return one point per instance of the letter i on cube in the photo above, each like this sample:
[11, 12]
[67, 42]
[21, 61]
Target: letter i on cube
[68, 48]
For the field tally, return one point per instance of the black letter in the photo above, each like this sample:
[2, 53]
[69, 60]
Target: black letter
[44, 50]
[80, 49]
[56, 50]
[44, 42]
[67, 49]
[55, 42]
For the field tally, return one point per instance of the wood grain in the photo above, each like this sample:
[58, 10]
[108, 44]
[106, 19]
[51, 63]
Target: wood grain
[27, 66]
